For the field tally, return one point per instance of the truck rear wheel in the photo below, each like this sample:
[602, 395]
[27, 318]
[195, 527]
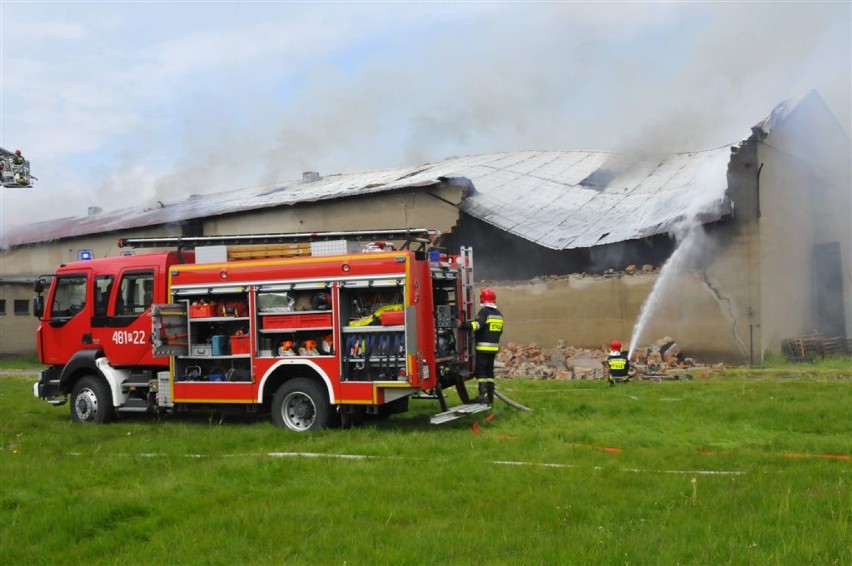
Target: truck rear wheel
[301, 405]
[91, 401]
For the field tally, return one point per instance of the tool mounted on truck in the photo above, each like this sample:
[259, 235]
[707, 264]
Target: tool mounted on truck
[315, 328]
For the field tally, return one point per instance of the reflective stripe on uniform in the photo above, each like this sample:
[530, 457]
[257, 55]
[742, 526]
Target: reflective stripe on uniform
[495, 323]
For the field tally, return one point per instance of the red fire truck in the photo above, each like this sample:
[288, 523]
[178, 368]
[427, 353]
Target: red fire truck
[317, 329]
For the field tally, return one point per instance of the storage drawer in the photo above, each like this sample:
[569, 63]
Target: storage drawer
[308, 320]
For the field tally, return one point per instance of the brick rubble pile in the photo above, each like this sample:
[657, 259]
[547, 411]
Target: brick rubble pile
[662, 359]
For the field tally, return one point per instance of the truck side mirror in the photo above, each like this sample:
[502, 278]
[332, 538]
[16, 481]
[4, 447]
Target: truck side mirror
[38, 300]
[38, 306]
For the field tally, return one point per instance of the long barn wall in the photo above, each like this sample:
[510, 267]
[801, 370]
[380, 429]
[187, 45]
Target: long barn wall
[590, 311]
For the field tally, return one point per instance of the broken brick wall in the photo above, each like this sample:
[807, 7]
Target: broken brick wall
[589, 311]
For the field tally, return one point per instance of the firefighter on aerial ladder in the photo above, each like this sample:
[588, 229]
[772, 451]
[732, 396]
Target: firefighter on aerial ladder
[20, 169]
[487, 328]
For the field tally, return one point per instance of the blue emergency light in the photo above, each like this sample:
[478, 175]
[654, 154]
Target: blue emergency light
[85, 255]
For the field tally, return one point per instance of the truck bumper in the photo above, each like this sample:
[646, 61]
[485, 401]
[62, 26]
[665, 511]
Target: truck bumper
[47, 387]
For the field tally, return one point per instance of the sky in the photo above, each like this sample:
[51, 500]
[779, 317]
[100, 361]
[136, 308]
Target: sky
[120, 104]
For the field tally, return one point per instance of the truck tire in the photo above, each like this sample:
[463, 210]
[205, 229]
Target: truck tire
[91, 401]
[301, 405]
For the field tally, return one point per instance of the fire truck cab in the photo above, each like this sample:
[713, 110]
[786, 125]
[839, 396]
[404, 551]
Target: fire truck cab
[311, 329]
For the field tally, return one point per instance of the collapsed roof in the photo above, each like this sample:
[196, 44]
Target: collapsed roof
[557, 199]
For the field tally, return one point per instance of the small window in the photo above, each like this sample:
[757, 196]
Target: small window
[2, 306]
[135, 293]
[103, 286]
[22, 306]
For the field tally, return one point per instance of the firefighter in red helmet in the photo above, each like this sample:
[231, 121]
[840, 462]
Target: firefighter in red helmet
[487, 328]
[19, 159]
[617, 366]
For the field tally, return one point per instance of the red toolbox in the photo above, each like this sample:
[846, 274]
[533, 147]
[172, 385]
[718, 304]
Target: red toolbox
[202, 311]
[240, 344]
[393, 318]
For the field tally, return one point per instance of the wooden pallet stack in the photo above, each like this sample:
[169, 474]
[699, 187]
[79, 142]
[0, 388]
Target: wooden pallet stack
[809, 347]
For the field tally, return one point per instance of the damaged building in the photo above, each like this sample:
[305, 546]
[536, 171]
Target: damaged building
[573, 241]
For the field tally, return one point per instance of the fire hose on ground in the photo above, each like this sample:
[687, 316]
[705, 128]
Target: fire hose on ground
[511, 403]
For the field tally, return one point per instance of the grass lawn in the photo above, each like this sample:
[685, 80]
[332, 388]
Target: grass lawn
[747, 467]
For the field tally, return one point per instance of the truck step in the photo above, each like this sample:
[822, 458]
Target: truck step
[135, 406]
[146, 383]
[459, 412]
[138, 380]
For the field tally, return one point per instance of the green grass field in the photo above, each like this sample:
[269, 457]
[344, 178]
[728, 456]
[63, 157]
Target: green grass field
[747, 467]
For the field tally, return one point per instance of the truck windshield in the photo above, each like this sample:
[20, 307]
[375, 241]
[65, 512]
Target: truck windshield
[69, 297]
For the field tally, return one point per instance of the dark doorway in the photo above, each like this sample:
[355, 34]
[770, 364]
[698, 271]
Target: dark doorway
[828, 300]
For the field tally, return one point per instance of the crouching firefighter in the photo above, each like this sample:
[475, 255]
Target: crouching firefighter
[617, 364]
[487, 328]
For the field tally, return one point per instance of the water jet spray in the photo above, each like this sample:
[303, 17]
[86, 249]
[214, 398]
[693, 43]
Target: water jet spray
[690, 238]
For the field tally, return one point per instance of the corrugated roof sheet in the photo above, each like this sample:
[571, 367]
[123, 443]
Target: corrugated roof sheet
[228, 202]
[548, 204]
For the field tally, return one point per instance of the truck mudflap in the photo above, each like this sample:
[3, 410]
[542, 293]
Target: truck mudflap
[47, 387]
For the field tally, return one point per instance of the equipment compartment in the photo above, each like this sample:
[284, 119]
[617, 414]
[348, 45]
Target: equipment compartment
[374, 354]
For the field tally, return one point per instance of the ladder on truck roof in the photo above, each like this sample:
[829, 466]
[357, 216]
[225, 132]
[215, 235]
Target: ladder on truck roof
[410, 236]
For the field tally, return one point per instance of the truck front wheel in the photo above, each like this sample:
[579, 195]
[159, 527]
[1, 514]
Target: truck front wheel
[301, 405]
[91, 401]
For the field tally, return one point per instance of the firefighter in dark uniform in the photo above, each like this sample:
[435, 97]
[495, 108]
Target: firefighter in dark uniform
[617, 364]
[21, 174]
[487, 328]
